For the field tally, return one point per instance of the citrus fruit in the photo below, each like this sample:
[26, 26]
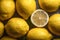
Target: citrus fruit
[7, 38]
[6, 0]
[7, 9]
[39, 18]
[39, 34]
[16, 27]
[56, 39]
[1, 28]
[25, 7]
[49, 5]
[54, 24]
[59, 2]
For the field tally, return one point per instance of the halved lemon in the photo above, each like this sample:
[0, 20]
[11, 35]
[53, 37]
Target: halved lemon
[39, 18]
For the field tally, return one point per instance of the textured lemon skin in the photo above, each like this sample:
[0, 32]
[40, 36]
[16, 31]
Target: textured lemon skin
[59, 2]
[6, 0]
[7, 9]
[49, 5]
[1, 28]
[54, 24]
[7, 38]
[25, 7]
[39, 34]
[16, 27]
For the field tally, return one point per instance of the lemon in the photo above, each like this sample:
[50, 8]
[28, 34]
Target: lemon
[16, 27]
[59, 2]
[39, 18]
[7, 38]
[7, 9]
[6, 0]
[54, 24]
[25, 7]
[56, 39]
[1, 28]
[49, 5]
[39, 34]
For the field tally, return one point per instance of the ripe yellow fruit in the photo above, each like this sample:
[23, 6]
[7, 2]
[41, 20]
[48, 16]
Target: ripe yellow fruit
[6, 0]
[39, 34]
[7, 38]
[7, 9]
[1, 28]
[49, 5]
[59, 2]
[16, 27]
[56, 39]
[25, 7]
[54, 24]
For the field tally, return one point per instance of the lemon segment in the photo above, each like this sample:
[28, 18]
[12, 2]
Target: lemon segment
[39, 18]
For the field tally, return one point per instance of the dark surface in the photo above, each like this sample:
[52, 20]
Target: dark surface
[31, 25]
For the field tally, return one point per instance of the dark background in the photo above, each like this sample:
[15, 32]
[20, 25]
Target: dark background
[30, 24]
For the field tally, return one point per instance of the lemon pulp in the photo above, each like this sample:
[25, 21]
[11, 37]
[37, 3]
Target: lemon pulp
[39, 18]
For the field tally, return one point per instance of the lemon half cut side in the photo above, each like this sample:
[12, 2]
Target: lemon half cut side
[39, 18]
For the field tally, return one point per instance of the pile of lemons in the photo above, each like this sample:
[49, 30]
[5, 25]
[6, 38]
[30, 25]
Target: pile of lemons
[16, 27]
